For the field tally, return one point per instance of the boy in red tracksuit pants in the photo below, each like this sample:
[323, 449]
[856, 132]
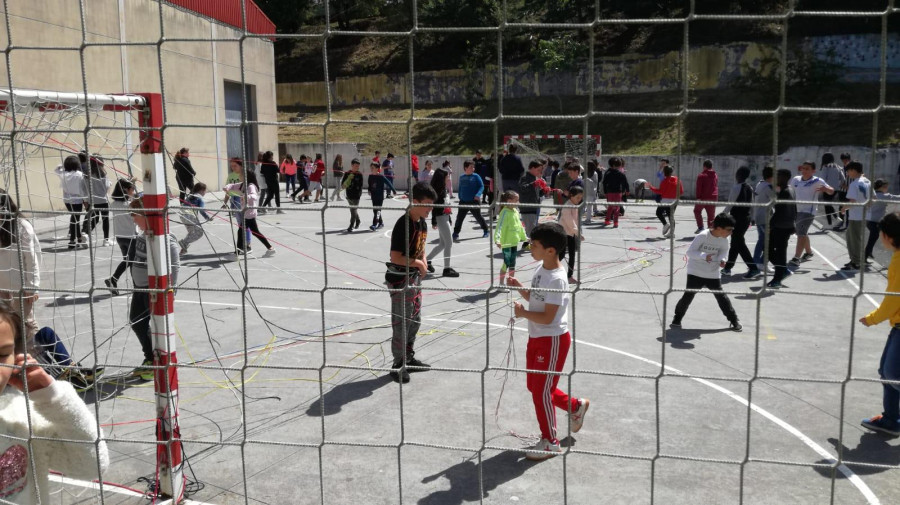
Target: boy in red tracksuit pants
[548, 337]
[707, 189]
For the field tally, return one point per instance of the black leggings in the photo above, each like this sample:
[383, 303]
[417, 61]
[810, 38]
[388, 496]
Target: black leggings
[252, 226]
[572, 244]
[662, 212]
[98, 211]
[874, 233]
[739, 244]
[139, 317]
[74, 220]
[124, 244]
[272, 182]
[714, 285]
[778, 250]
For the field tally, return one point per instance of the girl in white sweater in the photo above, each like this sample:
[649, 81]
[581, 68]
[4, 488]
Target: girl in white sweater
[56, 413]
[18, 274]
[75, 197]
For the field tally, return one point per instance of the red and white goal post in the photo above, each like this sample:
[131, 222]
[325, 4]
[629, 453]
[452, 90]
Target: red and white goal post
[32, 121]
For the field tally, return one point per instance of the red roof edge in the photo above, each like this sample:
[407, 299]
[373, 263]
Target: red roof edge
[229, 12]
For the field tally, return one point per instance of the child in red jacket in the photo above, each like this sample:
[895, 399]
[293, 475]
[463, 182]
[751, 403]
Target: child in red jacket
[669, 190]
[707, 189]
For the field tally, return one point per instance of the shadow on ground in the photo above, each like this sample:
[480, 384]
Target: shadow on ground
[345, 393]
[681, 338]
[872, 449]
[464, 478]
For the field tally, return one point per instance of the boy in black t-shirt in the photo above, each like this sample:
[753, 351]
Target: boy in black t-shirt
[404, 272]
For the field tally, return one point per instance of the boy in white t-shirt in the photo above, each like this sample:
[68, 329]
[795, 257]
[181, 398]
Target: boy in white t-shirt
[548, 337]
[706, 256]
[858, 188]
[807, 188]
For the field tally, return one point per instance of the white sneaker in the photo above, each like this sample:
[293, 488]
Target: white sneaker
[665, 231]
[577, 417]
[269, 253]
[544, 449]
[108, 243]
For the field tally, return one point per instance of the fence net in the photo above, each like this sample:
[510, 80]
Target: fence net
[279, 351]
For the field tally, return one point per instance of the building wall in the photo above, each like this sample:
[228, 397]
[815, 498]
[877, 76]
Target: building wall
[192, 73]
[710, 67]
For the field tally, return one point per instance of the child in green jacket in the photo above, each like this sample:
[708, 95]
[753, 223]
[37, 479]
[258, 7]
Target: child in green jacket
[509, 233]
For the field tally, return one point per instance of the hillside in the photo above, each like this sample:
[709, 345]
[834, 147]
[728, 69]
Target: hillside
[703, 133]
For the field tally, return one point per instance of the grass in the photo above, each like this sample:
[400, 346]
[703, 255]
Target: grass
[711, 134]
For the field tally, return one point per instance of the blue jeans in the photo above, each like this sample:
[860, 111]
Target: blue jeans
[51, 351]
[760, 243]
[290, 182]
[889, 369]
[239, 216]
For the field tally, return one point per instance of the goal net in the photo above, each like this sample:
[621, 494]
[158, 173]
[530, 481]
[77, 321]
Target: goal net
[113, 137]
[559, 147]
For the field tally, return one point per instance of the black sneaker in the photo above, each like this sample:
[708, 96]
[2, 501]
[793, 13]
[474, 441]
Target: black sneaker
[399, 374]
[807, 256]
[350, 229]
[111, 284]
[676, 323]
[850, 267]
[430, 267]
[417, 366]
[449, 272]
[752, 273]
[735, 326]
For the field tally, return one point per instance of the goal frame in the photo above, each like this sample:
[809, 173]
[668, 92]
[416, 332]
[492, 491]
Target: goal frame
[597, 139]
[149, 110]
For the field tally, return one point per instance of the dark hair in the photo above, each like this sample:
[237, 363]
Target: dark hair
[237, 160]
[259, 156]
[707, 163]
[855, 165]
[389, 155]
[768, 172]
[439, 181]
[467, 164]
[508, 195]
[374, 165]
[533, 164]
[82, 157]
[809, 163]
[591, 168]
[846, 156]
[513, 148]
[554, 164]
[615, 162]
[423, 191]
[575, 190]
[664, 160]
[890, 226]
[551, 234]
[120, 190]
[724, 220]
[784, 177]
[668, 170]
[268, 156]
[574, 166]
[12, 317]
[742, 174]
[318, 156]
[97, 170]
[446, 163]
[288, 157]
[181, 152]
[827, 158]
[9, 220]
[71, 164]
[879, 183]
[303, 157]
[198, 187]
[354, 161]
[251, 178]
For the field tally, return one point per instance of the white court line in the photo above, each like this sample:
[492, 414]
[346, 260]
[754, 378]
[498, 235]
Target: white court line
[108, 488]
[848, 473]
[848, 279]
